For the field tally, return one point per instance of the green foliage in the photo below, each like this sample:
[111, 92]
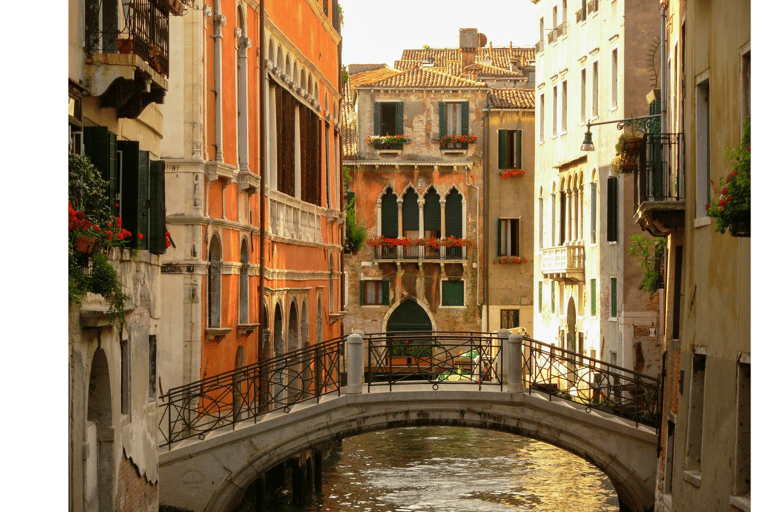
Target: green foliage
[621, 144]
[356, 232]
[733, 205]
[641, 249]
[408, 348]
[88, 191]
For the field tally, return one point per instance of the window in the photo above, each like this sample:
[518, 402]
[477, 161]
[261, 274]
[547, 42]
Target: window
[508, 237]
[746, 76]
[152, 366]
[583, 96]
[541, 222]
[554, 218]
[453, 293]
[564, 108]
[552, 294]
[595, 96]
[554, 111]
[563, 218]
[541, 118]
[243, 305]
[593, 290]
[510, 318]
[613, 209]
[136, 185]
[125, 377]
[696, 414]
[374, 293]
[678, 292]
[389, 214]
[541, 31]
[541, 295]
[214, 283]
[702, 148]
[593, 218]
[615, 78]
[510, 149]
[388, 118]
[614, 298]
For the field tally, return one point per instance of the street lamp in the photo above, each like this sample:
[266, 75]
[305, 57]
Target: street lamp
[644, 124]
[587, 144]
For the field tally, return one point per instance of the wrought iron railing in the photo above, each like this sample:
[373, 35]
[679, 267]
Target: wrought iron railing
[419, 252]
[223, 400]
[441, 358]
[591, 382]
[660, 175]
[140, 27]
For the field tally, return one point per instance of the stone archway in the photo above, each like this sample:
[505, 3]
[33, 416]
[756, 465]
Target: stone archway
[100, 436]
[409, 316]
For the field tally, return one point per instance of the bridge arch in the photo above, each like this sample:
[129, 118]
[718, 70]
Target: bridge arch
[624, 453]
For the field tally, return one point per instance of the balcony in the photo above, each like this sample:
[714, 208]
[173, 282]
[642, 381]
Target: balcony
[420, 254]
[660, 184]
[127, 47]
[564, 263]
[294, 219]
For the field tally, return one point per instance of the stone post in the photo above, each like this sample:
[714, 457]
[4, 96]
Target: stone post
[355, 364]
[502, 366]
[514, 348]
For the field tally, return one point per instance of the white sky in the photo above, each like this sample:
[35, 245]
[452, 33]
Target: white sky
[378, 32]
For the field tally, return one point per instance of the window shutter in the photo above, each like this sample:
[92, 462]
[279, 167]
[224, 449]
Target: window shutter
[100, 147]
[377, 118]
[385, 292]
[142, 203]
[593, 285]
[502, 149]
[593, 190]
[442, 121]
[541, 295]
[614, 298]
[613, 205]
[362, 293]
[129, 192]
[157, 207]
[464, 117]
[453, 215]
[498, 237]
[518, 149]
[389, 215]
[399, 118]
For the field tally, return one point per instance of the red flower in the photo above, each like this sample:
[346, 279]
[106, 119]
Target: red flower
[724, 191]
[721, 203]
[141, 236]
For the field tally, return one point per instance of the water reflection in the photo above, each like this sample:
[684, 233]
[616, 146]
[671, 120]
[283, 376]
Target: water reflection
[453, 469]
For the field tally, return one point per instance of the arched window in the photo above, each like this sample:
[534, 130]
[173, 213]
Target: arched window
[244, 305]
[432, 223]
[214, 283]
[410, 214]
[454, 222]
[389, 214]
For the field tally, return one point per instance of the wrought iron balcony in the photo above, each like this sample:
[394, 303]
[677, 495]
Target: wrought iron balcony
[660, 184]
[563, 263]
[420, 253]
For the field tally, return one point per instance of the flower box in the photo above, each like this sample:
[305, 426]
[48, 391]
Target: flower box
[512, 173]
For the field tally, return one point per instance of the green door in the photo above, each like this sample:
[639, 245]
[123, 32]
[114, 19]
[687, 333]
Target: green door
[409, 316]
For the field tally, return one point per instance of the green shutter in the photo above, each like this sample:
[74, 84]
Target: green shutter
[593, 190]
[389, 215]
[502, 149]
[142, 203]
[541, 295]
[399, 118]
[362, 293]
[453, 215]
[157, 207]
[613, 208]
[129, 191]
[453, 293]
[377, 118]
[498, 237]
[518, 149]
[593, 286]
[552, 286]
[442, 121]
[614, 298]
[100, 147]
[385, 292]
[464, 117]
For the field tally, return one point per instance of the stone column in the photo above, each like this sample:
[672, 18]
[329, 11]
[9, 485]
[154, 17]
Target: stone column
[514, 347]
[355, 364]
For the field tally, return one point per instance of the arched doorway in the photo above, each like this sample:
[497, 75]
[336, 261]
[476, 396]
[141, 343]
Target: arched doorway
[100, 435]
[409, 316]
[279, 346]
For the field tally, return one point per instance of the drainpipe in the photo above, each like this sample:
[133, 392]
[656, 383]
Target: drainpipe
[486, 213]
[263, 90]
[663, 66]
[218, 23]
[477, 231]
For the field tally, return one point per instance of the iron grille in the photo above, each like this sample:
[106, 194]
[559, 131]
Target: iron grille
[660, 175]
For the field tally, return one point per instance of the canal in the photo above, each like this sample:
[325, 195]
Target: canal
[453, 469]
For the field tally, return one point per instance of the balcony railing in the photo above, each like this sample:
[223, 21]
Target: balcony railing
[140, 28]
[292, 218]
[563, 263]
[660, 183]
[425, 253]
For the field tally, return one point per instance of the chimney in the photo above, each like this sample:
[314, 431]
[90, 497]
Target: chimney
[467, 46]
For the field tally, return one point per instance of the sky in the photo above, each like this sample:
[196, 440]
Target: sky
[378, 32]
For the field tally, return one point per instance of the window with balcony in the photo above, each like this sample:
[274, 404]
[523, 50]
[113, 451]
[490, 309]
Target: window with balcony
[510, 149]
[508, 237]
[374, 293]
[612, 214]
[510, 318]
[452, 293]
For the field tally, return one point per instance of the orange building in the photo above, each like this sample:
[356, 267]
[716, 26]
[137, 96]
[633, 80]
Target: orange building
[253, 185]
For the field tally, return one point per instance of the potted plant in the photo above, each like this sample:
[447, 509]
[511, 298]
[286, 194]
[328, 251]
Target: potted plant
[387, 141]
[453, 141]
[628, 148]
[732, 209]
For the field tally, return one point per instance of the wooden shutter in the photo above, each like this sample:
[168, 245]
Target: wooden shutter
[142, 203]
[389, 215]
[499, 227]
[613, 208]
[129, 193]
[614, 298]
[453, 293]
[410, 211]
[362, 293]
[502, 149]
[377, 118]
[385, 292]
[442, 121]
[464, 117]
[518, 149]
[157, 207]
[593, 286]
[453, 215]
[593, 199]
[101, 149]
[399, 118]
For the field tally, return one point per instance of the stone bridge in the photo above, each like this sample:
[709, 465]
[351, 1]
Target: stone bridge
[212, 474]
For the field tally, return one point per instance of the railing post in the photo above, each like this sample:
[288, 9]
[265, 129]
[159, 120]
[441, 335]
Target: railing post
[515, 350]
[355, 364]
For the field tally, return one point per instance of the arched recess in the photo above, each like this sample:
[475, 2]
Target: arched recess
[319, 318]
[410, 213]
[214, 283]
[292, 378]
[432, 214]
[454, 222]
[280, 62]
[237, 384]
[100, 434]
[389, 216]
[271, 51]
[278, 381]
[265, 352]
[305, 345]
[408, 315]
[244, 305]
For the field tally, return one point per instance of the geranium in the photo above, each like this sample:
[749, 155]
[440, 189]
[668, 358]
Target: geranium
[733, 204]
[457, 139]
[506, 260]
[386, 139]
[512, 173]
[434, 243]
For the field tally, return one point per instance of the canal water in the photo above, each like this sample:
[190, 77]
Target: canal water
[453, 469]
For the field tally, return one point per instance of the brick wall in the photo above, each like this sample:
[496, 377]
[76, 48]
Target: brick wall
[134, 492]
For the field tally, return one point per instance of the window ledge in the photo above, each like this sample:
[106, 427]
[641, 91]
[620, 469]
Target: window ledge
[453, 151]
[389, 151]
[335, 317]
[692, 477]
[702, 221]
[246, 329]
[741, 502]
[217, 333]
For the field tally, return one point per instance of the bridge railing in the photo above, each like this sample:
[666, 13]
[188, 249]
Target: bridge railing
[441, 358]
[245, 394]
[594, 383]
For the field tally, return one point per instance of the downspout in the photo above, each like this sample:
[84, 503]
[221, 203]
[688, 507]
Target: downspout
[486, 214]
[218, 23]
[262, 171]
[663, 67]
[477, 216]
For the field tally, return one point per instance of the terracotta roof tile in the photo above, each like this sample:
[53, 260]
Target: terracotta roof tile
[426, 77]
[498, 57]
[511, 98]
